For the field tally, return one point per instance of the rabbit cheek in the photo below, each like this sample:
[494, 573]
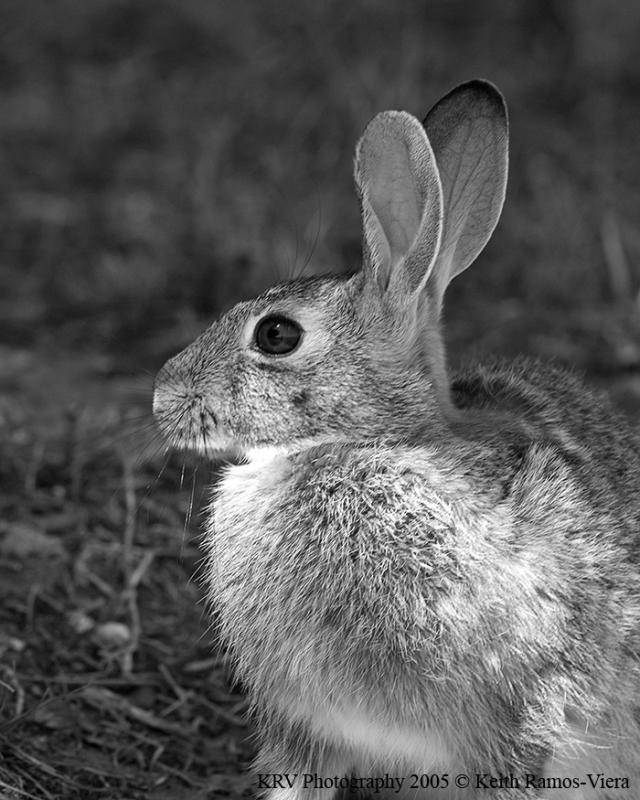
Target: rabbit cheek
[257, 414]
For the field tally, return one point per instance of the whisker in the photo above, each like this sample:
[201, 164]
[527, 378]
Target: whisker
[296, 228]
[150, 488]
[316, 238]
[187, 520]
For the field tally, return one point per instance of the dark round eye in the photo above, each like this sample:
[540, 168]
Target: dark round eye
[277, 335]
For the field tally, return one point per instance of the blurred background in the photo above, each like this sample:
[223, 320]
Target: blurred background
[161, 160]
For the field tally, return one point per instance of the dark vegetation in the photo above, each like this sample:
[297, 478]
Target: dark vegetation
[160, 160]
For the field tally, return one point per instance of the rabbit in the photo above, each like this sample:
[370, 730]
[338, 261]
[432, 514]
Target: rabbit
[416, 574]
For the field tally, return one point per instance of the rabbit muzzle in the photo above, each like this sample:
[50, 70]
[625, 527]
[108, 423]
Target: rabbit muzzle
[184, 413]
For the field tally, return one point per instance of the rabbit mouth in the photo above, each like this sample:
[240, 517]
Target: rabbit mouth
[191, 434]
[211, 444]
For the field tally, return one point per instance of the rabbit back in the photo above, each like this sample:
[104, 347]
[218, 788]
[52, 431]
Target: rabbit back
[555, 405]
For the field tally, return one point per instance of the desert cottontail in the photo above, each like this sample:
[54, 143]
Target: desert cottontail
[419, 577]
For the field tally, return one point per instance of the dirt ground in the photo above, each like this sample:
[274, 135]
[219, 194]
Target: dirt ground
[159, 161]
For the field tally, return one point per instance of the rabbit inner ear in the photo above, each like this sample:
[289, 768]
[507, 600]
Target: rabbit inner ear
[468, 130]
[376, 245]
[394, 203]
[401, 201]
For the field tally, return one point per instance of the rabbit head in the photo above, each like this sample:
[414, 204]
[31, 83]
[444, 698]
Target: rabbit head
[359, 357]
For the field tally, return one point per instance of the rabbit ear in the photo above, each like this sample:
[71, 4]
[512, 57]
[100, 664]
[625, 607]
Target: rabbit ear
[469, 133]
[401, 200]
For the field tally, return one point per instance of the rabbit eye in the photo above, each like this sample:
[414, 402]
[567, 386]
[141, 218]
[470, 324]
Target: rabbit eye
[277, 335]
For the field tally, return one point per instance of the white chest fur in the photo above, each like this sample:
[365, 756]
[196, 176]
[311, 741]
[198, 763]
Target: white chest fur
[272, 629]
[379, 741]
[246, 491]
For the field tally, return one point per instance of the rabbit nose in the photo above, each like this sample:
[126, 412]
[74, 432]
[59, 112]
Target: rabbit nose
[171, 392]
[174, 372]
[174, 395]
[181, 408]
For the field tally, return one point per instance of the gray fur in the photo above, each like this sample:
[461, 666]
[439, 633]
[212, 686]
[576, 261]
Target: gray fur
[413, 573]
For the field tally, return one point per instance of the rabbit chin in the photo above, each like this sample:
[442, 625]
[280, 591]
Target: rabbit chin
[213, 448]
[263, 453]
[226, 448]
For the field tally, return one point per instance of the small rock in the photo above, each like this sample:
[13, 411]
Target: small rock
[112, 635]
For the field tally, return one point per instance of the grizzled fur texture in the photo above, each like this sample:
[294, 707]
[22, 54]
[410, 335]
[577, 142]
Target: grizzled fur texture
[413, 573]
